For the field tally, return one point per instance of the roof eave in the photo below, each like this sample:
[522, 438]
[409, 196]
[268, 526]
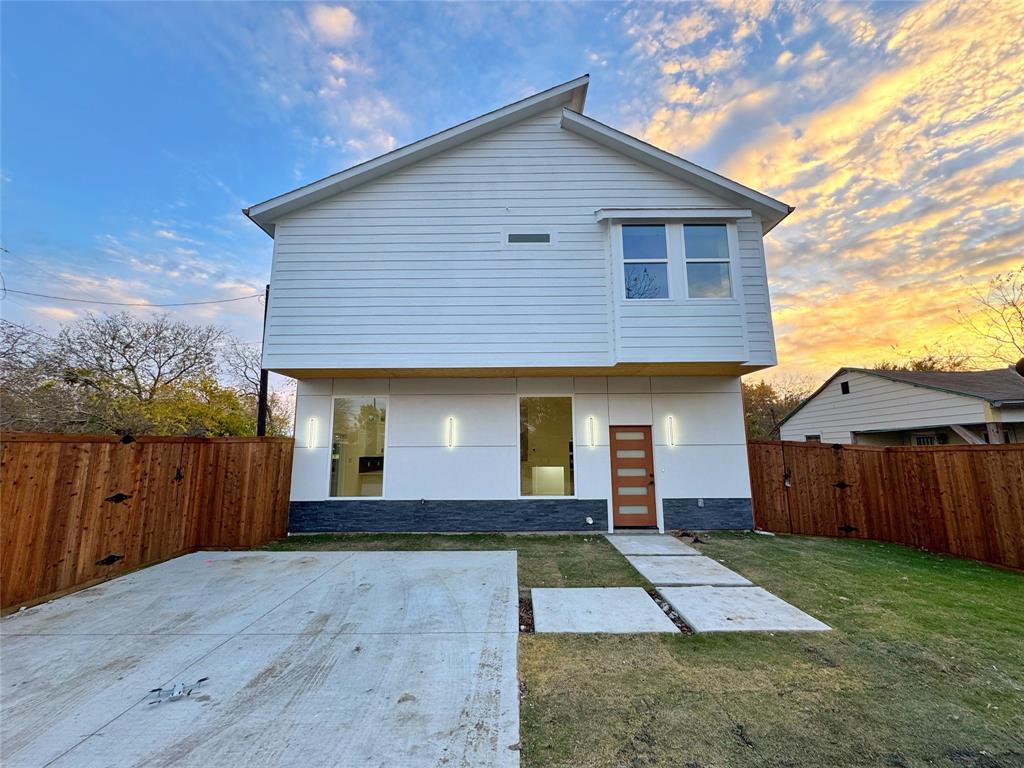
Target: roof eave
[573, 93]
[770, 210]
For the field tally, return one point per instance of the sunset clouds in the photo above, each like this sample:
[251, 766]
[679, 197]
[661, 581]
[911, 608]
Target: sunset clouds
[896, 129]
[899, 136]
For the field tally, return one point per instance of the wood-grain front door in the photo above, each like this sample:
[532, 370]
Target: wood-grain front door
[633, 501]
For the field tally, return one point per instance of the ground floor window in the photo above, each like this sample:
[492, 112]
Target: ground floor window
[545, 446]
[357, 446]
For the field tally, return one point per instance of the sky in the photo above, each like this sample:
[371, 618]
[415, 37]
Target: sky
[131, 135]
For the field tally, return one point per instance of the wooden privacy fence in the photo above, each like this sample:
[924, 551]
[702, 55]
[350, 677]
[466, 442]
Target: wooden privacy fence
[77, 509]
[964, 500]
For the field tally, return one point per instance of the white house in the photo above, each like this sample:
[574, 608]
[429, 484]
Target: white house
[529, 321]
[870, 407]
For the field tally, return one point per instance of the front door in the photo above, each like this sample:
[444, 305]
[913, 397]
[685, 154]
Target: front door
[633, 501]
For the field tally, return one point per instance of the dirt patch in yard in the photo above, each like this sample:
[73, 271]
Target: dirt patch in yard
[669, 611]
[525, 612]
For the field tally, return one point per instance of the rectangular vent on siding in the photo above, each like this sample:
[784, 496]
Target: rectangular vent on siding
[532, 238]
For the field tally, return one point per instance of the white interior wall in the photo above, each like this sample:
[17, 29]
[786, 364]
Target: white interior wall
[708, 458]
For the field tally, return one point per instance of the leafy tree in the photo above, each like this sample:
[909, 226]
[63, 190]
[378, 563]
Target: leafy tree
[768, 401]
[128, 375]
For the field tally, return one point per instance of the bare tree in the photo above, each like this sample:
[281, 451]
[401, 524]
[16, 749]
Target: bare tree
[125, 355]
[931, 358]
[997, 318]
[241, 364]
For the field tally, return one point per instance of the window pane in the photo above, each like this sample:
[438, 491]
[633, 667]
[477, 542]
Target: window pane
[545, 446]
[540, 237]
[708, 280]
[646, 281]
[705, 241]
[643, 241]
[357, 446]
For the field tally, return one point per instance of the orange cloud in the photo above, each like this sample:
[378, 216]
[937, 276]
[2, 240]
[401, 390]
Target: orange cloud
[909, 181]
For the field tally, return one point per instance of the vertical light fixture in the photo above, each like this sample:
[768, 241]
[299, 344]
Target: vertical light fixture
[451, 431]
[311, 433]
[590, 431]
[671, 431]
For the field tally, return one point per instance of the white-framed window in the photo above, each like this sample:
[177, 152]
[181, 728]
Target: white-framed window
[812, 438]
[708, 261]
[358, 440]
[546, 445]
[645, 262]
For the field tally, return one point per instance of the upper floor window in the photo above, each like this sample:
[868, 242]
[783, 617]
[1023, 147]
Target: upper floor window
[645, 253]
[706, 247]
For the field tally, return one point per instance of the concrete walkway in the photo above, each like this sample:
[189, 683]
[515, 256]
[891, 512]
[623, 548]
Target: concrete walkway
[708, 596]
[313, 659]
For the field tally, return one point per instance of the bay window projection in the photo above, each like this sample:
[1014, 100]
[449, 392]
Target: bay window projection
[357, 446]
[645, 256]
[707, 261]
[545, 446]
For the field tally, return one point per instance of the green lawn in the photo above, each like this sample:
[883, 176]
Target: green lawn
[925, 667]
[544, 561]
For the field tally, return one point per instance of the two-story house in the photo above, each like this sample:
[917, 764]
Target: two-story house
[529, 321]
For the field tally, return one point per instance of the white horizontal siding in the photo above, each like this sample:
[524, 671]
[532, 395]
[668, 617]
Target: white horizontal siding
[411, 270]
[875, 403]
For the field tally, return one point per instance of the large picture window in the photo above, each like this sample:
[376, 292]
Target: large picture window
[645, 259]
[357, 446]
[707, 261]
[545, 446]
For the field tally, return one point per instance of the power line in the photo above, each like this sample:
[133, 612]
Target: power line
[134, 303]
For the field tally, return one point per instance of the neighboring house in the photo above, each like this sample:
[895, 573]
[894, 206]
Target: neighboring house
[869, 407]
[530, 321]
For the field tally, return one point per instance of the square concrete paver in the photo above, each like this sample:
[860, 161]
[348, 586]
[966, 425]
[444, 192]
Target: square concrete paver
[616, 610]
[313, 659]
[738, 609]
[685, 571]
[649, 544]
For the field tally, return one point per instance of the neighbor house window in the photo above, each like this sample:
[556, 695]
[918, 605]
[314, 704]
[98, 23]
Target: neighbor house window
[707, 261]
[812, 438]
[545, 446]
[357, 446]
[645, 254]
[844, 387]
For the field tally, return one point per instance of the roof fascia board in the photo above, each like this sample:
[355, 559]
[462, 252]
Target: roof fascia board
[265, 213]
[672, 213]
[772, 210]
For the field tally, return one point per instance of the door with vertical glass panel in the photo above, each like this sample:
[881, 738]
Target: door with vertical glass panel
[633, 502]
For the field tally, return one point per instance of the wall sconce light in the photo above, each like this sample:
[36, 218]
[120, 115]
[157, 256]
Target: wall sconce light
[671, 431]
[311, 433]
[590, 431]
[451, 431]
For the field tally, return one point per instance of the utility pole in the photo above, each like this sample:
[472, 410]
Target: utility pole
[261, 405]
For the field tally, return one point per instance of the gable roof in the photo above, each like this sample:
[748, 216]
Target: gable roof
[573, 93]
[771, 211]
[571, 96]
[999, 387]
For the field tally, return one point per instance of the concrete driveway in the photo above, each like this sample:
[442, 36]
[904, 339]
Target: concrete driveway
[313, 659]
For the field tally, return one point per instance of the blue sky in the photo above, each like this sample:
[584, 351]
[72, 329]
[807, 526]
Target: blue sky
[133, 134]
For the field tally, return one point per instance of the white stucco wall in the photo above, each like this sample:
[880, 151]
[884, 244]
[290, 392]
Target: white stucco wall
[708, 459]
